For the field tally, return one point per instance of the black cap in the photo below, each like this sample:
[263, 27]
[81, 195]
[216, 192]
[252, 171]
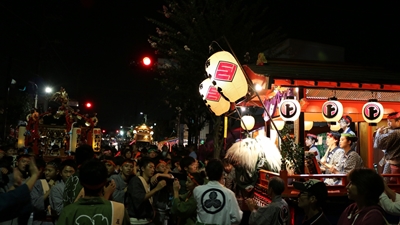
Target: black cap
[313, 187]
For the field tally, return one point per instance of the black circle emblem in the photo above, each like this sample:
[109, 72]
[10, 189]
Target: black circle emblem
[372, 111]
[330, 109]
[213, 200]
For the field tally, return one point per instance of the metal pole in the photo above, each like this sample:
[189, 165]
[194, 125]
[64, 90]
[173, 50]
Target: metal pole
[36, 99]
[36, 93]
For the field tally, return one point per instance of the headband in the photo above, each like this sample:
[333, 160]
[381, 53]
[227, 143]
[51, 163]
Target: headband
[346, 118]
[152, 150]
[127, 163]
[347, 135]
[26, 157]
[333, 136]
[161, 162]
[109, 161]
[312, 136]
[395, 116]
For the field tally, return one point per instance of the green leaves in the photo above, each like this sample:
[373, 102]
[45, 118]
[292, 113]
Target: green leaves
[292, 153]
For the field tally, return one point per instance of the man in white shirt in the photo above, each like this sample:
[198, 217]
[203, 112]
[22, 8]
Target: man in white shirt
[216, 204]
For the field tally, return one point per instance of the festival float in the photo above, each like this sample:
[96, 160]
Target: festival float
[59, 130]
[143, 135]
[308, 98]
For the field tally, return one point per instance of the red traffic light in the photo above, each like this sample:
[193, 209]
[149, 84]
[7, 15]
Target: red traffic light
[103, 131]
[146, 61]
[88, 105]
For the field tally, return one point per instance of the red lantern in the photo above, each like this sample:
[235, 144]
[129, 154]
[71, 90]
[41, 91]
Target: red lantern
[213, 99]
[226, 73]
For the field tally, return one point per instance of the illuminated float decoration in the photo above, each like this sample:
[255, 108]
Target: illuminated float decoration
[212, 98]
[289, 109]
[332, 112]
[227, 75]
[372, 112]
[279, 124]
[247, 122]
[308, 125]
[334, 127]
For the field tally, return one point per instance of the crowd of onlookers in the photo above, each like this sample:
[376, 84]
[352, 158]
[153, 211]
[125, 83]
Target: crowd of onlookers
[151, 186]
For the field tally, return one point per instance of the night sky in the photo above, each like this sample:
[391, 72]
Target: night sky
[89, 46]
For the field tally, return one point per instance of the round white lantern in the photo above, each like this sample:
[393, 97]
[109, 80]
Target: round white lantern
[332, 110]
[278, 123]
[335, 127]
[289, 109]
[308, 125]
[226, 73]
[247, 122]
[372, 112]
[213, 99]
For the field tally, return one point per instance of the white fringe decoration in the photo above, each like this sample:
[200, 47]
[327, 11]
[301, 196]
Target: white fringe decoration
[249, 151]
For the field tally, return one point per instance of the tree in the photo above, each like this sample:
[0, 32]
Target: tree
[189, 33]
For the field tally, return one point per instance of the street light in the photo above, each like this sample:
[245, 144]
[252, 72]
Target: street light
[48, 90]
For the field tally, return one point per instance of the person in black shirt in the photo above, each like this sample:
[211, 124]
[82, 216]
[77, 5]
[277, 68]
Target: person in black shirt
[313, 194]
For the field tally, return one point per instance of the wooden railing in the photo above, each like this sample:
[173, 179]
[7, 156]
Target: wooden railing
[334, 190]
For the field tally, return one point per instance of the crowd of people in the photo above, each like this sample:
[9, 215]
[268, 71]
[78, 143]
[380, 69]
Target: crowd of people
[152, 186]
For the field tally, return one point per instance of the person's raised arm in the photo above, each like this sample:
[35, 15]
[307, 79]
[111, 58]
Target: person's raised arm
[35, 173]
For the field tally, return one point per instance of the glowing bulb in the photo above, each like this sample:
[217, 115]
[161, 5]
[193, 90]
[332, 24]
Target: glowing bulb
[146, 61]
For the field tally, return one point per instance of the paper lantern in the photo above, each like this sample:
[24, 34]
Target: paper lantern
[96, 139]
[289, 109]
[247, 122]
[335, 127]
[308, 125]
[226, 73]
[372, 112]
[279, 124]
[213, 99]
[332, 110]
[75, 139]
[21, 137]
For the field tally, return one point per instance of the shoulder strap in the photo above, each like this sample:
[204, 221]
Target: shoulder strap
[118, 210]
[80, 195]
[386, 222]
[146, 187]
[45, 185]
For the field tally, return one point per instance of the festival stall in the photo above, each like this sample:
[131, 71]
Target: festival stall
[312, 97]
